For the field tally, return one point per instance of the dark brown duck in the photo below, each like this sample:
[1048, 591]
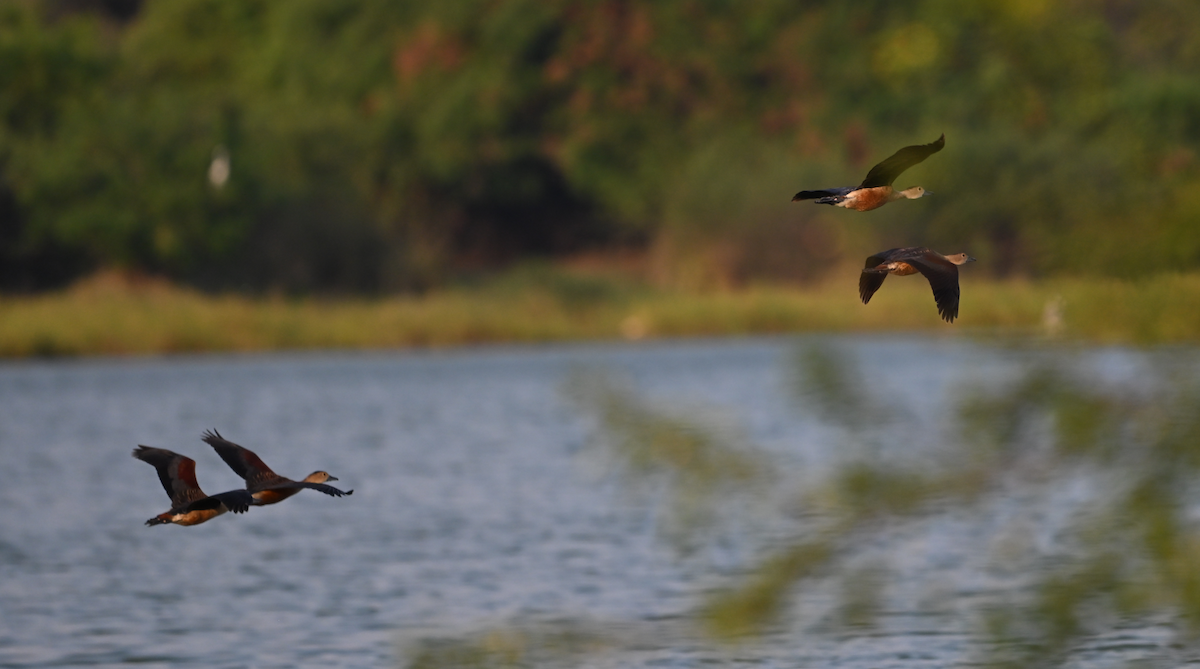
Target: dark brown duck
[940, 270]
[264, 485]
[876, 190]
[189, 504]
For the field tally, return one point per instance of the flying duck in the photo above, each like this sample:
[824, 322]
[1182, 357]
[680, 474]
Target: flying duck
[876, 190]
[940, 270]
[264, 485]
[189, 504]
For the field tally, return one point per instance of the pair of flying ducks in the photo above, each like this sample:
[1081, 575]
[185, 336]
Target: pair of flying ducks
[189, 504]
[874, 192]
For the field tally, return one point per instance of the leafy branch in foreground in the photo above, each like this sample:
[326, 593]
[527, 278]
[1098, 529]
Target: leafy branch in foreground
[1129, 550]
[1072, 495]
[1123, 545]
[702, 463]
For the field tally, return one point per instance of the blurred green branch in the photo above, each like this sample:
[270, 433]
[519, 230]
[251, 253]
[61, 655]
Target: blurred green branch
[702, 465]
[1125, 550]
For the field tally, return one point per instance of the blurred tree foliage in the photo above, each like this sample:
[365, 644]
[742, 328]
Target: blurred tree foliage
[376, 145]
[1080, 491]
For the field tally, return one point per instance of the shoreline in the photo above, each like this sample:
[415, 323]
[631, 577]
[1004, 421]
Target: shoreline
[107, 317]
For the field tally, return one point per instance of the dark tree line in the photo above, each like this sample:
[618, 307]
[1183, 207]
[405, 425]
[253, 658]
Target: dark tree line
[381, 146]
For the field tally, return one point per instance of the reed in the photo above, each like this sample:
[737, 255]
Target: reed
[112, 315]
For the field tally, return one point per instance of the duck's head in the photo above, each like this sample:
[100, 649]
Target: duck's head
[319, 476]
[915, 192]
[960, 259]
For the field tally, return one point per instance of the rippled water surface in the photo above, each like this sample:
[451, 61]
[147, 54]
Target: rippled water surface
[475, 505]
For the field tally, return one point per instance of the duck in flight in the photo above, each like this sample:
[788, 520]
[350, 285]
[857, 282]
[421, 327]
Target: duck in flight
[876, 190]
[940, 270]
[189, 504]
[264, 485]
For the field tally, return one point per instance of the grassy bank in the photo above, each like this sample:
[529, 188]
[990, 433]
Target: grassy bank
[113, 316]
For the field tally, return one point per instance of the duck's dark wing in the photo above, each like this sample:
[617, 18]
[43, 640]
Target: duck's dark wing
[236, 501]
[869, 282]
[814, 194]
[943, 279]
[176, 472]
[327, 489]
[886, 172]
[241, 460]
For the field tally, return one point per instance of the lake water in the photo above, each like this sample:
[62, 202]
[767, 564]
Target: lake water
[477, 507]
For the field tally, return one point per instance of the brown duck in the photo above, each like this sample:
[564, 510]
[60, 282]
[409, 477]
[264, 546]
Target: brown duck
[264, 485]
[189, 504]
[876, 190]
[940, 270]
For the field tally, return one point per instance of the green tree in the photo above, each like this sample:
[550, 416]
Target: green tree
[381, 146]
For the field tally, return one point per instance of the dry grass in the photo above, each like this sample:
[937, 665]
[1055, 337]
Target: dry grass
[113, 315]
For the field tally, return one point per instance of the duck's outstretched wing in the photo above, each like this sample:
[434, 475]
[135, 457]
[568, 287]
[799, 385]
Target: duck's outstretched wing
[241, 460]
[234, 501]
[176, 472]
[327, 489]
[886, 172]
[943, 279]
[868, 281]
[826, 192]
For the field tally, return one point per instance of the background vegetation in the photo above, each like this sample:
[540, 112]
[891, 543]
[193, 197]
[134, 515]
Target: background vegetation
[375, 146]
